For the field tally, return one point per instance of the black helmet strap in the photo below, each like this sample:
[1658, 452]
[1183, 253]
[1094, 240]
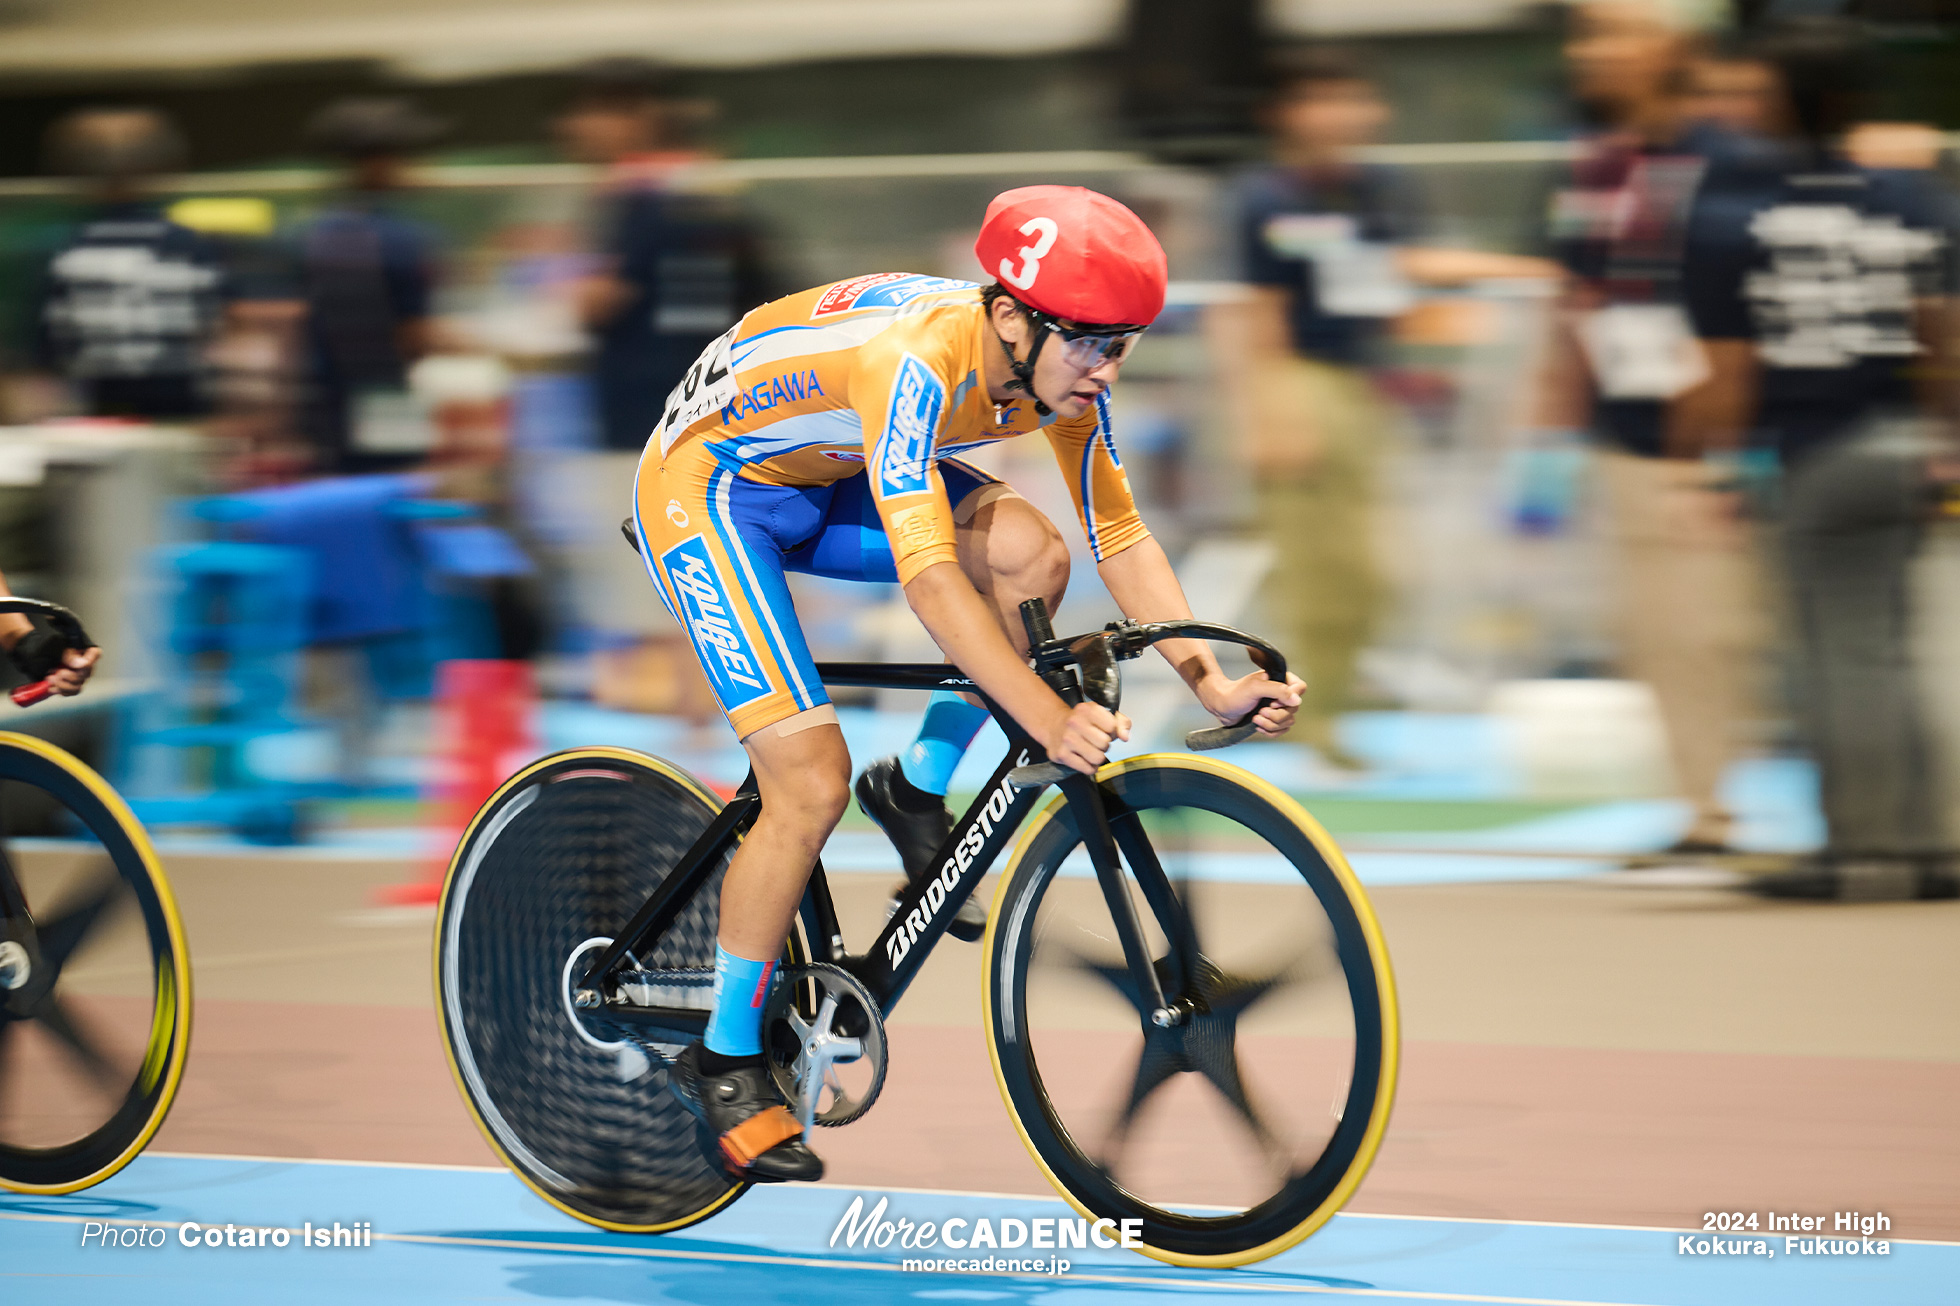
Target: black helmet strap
[1024, 370]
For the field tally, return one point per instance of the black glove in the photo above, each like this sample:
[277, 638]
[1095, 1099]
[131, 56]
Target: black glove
[38, 654]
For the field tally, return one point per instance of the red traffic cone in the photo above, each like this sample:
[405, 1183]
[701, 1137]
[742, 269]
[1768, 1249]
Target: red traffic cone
[483, 734]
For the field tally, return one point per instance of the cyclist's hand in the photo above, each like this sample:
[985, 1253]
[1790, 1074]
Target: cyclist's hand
[1229, 699]
[77, 664]
[1081, 740]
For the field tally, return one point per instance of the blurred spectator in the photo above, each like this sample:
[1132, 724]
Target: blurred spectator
[131, 301]
[674, 267]
[1626, 368]
[368, 277]
[1843, 279]
[1325, 242]
[1730, 86]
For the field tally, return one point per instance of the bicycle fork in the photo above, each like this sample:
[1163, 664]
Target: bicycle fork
[1101, 839]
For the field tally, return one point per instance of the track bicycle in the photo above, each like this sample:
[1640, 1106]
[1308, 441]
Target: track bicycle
[95, 978]
[1216, 1060]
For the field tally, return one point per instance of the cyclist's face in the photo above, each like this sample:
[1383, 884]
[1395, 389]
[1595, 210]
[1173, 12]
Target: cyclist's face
[1068, 375]
[1069, 379]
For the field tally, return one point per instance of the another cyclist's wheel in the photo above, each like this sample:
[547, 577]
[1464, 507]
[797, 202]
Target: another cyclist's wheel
[1240, 1128]
[550, 869]
[95, 980]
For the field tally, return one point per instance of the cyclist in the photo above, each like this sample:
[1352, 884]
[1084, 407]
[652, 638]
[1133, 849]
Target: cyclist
[821, 435]
[38, 652]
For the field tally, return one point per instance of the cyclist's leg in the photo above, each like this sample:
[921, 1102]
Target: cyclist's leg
[803, 772]
[1008, 548]
[1010, 553]
[714, 550]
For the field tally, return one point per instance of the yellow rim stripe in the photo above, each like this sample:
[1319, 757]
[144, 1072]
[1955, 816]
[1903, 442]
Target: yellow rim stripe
[1377, 951]
[170, 1023]
[597, 752]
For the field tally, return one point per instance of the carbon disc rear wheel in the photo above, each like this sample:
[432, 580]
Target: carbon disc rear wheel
[553, 865]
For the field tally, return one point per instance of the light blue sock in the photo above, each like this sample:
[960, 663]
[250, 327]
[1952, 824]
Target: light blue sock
[950, 725]
[741, 987]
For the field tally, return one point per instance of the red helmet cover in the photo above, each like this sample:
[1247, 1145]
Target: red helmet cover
[1073, 253]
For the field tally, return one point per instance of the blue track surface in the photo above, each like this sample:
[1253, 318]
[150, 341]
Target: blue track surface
[452, 1235]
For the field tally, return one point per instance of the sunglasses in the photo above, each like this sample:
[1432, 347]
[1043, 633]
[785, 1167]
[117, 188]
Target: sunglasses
[1087, 348]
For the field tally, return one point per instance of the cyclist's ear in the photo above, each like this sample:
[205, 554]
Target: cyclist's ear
[1009, 322]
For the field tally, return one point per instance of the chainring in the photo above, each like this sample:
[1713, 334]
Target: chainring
[823, 1015]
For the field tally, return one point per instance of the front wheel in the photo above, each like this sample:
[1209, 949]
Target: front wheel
[1239, 1129]
[95, 976]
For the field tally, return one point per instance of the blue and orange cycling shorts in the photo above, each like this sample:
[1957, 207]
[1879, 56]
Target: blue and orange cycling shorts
[718, 547]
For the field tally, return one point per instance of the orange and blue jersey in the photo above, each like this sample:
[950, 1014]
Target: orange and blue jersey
[821, 434]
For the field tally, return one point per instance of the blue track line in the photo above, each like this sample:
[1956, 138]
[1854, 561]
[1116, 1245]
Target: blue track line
[452, 1235]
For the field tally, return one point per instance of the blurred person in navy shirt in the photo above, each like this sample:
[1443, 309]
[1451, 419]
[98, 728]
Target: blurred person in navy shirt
[674, 266]
[368, 276]
[1828, 290]
[1326, 244]
[130, 302]
[1628, 371]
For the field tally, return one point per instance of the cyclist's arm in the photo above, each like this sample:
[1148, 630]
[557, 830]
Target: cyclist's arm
[1141, 581]
[967, 631]
[1139, 577]
[901, 400]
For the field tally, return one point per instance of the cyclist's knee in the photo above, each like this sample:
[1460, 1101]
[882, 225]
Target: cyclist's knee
[1025, 552]
[814, 798]
[803, 769]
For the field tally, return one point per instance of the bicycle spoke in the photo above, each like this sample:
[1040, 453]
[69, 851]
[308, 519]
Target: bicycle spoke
[57, 1019]
[1117, 977]
[1157, 1062]
[64, 932]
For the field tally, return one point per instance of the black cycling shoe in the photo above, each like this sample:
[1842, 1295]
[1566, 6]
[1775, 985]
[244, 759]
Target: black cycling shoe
[918, 824]
[755, 1135]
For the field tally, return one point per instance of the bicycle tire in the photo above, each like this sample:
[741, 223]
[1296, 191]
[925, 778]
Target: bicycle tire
[565, 851]
[68, 783]
[1311, 1194]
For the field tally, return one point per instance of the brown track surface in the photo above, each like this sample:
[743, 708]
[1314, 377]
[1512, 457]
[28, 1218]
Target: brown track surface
[1574, 1053]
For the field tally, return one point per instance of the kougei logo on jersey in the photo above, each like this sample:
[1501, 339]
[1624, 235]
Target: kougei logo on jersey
[904, 451]
[943, 884]
[881, 290]
[724, 650]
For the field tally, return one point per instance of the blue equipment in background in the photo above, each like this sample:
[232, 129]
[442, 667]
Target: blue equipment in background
[368, 564]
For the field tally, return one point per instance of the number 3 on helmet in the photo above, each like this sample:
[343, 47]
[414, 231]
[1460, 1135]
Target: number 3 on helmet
[1074, 254]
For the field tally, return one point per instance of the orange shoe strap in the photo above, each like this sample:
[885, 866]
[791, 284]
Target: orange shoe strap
[756, 1135]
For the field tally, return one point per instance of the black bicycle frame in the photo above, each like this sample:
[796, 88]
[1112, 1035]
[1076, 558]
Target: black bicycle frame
[1083, 667]
[927, 906]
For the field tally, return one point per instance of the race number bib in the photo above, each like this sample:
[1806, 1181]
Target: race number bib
[709, 385]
